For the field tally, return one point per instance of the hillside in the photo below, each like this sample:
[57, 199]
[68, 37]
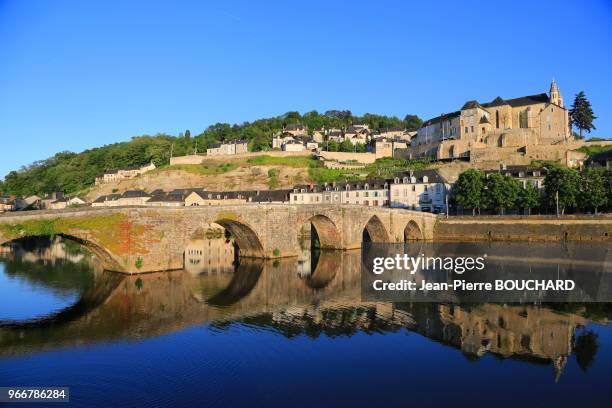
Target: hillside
[260, 172]
[75, 172]
[215, 175]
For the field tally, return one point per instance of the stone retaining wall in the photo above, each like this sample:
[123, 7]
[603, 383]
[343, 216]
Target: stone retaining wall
[522, 229]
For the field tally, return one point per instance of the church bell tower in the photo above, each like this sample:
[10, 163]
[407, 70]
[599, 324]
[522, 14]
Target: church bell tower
[555, 95]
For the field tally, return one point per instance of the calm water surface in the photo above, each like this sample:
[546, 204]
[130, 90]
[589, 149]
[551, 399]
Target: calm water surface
[289, 332]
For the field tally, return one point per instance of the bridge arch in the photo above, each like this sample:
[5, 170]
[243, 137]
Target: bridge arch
[329, 236]
[249, 244]
[376, 230]
[412, 232]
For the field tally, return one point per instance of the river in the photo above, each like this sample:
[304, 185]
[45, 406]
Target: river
[228, 331]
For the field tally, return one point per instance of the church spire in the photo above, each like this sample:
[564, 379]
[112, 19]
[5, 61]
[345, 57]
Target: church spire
[555, 94]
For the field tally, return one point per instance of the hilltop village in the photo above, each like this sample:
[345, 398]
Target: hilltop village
[519, 139]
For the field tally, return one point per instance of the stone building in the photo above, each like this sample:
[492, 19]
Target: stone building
[534, 120]
[357, 134]
[200, 197]
[162, 199]
[295, 130]
[523, 174]
[289, 143]
[603, 159]
[105, 200]
[229, 148]
[124, 174]
[423, 190]
[368, 192]
[205, 198]
[6, 204]
[66, 202]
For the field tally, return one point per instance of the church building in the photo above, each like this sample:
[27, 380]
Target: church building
[532, 120]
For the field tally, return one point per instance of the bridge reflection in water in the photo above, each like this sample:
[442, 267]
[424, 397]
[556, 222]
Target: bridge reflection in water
[293, 296]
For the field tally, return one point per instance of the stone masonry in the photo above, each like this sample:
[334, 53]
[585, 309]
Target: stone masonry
[138, 239]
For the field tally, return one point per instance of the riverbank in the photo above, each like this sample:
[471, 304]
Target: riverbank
[516, 228]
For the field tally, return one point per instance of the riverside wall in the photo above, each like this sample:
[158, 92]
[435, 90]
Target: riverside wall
[534, 228]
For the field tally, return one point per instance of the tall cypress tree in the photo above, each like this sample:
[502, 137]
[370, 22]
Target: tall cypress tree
[581, 113]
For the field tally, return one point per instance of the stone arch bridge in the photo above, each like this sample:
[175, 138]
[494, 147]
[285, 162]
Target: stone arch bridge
[145, 239]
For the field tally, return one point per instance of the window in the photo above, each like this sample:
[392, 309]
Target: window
[472, 129]
[413, 188]
[466, 129]
[497, 119]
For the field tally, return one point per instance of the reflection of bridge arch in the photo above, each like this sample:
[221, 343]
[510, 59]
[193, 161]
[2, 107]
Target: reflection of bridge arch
[327, 264]
[248, 242]
[108, 261]
[326, 229]
[89, 300]
[244, 280]
[376, 230]
[412, 232]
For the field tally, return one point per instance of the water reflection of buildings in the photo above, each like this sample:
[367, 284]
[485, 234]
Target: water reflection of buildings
[530, 333]
[270, 295]
[210, 250]
[511, 331]
[49, 251]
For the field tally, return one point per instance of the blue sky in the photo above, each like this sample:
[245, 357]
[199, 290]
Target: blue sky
[76, 74]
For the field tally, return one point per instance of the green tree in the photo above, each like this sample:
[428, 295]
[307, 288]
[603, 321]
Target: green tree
[565, 183]
[332, 146]
[608, 181]
[529, 197]
[412, 121]
[187, 134]
[259, 144]
[593, 188]
[347, 146]
[581, 114]
[468, 189]
[501, 191]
